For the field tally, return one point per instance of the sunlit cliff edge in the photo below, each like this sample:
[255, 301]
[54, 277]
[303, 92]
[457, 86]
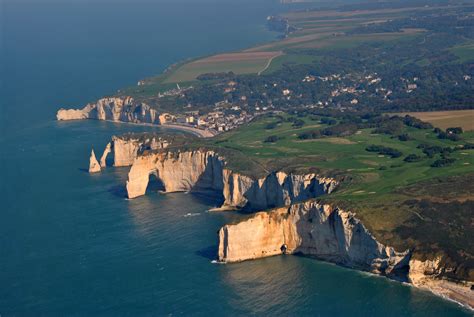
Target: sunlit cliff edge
[297, 224]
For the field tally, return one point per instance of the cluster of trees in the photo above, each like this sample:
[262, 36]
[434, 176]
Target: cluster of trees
[452, 134]
[214, 76]
[432, 150]
[443, 162]
[412, 158]
[404, 137]
[297, 123]
[272, 125]
[394, 125]
[338, 130]
[416, 123]
[348, 124]
[272, 139]
[384, 150]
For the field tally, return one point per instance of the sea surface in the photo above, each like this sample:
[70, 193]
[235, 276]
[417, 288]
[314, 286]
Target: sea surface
[70, 243]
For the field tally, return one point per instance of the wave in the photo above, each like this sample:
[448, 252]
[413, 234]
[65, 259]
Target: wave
[189, 214]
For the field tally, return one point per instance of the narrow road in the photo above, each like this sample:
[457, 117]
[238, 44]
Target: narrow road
[269, 62]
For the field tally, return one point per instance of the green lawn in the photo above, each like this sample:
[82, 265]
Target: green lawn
[347, 155]
[465, 53]
[290, 59]
[373, 186]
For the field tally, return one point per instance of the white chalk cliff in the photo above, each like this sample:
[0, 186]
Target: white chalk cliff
[114, 109]
[312, 229]
[103, 158]
[94, 166]
[333, 235]
[126, 148]
[299, 224]
[203, 170]
[427, 274]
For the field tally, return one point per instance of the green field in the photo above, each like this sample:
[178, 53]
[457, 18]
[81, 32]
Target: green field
[345, 155]
[465, 53]
[238, 63]
[314, 32]
[292, 59]
[445, 119]
[390, 195]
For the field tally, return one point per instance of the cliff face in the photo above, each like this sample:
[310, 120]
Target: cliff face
[202, 170]
[126, 149]
[312, 229]
[276, 189]
[181, 171]
[336, 236]
[113, 109]
[426, 274]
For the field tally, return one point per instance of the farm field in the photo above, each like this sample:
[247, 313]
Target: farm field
[446, 119]
[315, 30]
[331, 29]
[239, 63]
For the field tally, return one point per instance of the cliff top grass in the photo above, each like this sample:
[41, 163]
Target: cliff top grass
[334, 155]
[406, 204]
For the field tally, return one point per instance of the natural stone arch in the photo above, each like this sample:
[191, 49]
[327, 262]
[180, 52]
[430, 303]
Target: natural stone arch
[139, 176]
[155, 183]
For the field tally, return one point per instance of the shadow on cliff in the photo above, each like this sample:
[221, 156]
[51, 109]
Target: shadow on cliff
[154, 184]
[271, 194]
[210, 182]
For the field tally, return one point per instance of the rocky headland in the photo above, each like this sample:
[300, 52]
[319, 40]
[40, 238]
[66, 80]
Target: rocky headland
[293, 222]
[313, 229]
[125, 149]
[331, 234]
[112, 109]
[127, 110]
[205, 170]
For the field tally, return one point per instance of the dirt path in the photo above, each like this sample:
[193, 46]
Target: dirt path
[268, 63]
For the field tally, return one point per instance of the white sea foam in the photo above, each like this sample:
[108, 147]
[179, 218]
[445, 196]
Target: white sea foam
[189, 214]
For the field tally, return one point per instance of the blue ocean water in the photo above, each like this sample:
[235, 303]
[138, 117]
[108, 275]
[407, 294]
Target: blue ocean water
[70, 243]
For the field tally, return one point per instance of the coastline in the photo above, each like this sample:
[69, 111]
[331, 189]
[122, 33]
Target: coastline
[444, 289]
[195, 131]
[200, 133]
[448, 291]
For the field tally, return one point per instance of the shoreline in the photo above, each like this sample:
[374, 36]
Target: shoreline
[447, 290]
[197, 132]
[200, 133]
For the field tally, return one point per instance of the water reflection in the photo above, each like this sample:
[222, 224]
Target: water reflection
[263, 285]
[288, 285]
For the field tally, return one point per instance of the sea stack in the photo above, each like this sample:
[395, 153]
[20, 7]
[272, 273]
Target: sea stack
[94, 166]
[103, 158]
